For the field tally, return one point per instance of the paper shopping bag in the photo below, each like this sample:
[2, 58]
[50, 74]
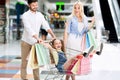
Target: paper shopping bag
[87, 41]
[85, 66]
[92, 39]
[73, 62]
[32, 60]
[42, 55]
[75, 68]
[83, 43]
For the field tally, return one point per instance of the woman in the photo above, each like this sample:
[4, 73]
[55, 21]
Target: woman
[76, 27]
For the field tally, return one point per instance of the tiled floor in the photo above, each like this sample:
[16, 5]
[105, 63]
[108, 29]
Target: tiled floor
[104, 67]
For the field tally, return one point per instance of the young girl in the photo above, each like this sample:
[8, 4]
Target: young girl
[56, 47]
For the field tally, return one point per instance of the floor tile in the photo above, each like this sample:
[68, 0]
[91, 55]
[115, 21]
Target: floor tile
[103, 67]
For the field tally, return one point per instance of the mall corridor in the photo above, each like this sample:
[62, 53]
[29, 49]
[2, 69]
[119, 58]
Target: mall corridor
[103, 67]
[106, 29]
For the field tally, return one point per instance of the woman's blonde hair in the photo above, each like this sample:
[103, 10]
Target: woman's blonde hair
[81, 9]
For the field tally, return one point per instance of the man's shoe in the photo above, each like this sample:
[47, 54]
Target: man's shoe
[87, 51]
[100, 48]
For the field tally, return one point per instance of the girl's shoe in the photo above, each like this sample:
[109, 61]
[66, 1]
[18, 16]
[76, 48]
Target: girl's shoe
[87, 51]
[99, 50]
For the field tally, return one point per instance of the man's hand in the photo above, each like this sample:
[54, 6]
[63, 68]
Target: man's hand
[39, 40]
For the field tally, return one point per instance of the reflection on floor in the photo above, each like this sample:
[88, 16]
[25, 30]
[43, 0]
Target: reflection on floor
[104, 67]
[10, 66]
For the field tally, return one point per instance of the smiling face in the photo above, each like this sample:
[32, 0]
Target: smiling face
[77, 9]
[33, 6]
[57, 44]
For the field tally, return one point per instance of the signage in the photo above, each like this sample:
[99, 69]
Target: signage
[60, 6]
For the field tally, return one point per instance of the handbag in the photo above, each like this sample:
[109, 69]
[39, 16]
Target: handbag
[71, 65]
[42, 55]
[32, 60]
[82, 66]
[87, 41]
[76, 66]
[92, 40]
[85, 66]
[83, 42]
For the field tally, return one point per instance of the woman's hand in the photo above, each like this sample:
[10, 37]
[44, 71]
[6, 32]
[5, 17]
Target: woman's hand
[92, 23]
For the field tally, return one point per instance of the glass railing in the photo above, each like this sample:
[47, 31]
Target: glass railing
[115, 11]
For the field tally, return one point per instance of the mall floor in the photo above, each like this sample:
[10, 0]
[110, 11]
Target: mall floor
[103, 67]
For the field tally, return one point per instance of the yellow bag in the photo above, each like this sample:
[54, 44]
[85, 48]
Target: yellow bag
[32, 61]
[74, 70]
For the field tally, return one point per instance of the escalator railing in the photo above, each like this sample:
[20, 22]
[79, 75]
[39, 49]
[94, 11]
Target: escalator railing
[115, 12]
[108, 21]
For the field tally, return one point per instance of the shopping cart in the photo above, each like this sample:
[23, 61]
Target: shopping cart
[83, 68]
[80, 66]
[51, 73]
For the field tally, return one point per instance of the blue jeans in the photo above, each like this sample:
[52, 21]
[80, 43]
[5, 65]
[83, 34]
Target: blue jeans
[61, 60]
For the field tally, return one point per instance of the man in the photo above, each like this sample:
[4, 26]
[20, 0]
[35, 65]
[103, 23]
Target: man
[32, 21]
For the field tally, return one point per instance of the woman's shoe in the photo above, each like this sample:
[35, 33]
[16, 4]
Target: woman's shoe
[99, 50]
[87, 51]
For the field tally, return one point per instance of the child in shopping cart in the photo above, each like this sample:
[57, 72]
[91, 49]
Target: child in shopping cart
[57, 49]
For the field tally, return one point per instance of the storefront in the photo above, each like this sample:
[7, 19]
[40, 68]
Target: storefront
[2, 21]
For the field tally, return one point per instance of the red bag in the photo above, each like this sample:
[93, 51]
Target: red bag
[71, 66]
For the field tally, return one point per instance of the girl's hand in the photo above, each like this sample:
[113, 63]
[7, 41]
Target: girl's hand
[53, 39]
[46, 44]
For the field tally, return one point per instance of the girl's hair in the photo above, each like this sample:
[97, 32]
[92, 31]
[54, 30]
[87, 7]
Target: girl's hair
[62, 48]
[81, 9]
[31, 1]
[52, 44]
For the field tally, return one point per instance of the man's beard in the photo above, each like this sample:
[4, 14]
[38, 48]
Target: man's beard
[33, 10]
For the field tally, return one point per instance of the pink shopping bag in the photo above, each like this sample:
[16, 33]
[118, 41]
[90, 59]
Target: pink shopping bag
[85, 66]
